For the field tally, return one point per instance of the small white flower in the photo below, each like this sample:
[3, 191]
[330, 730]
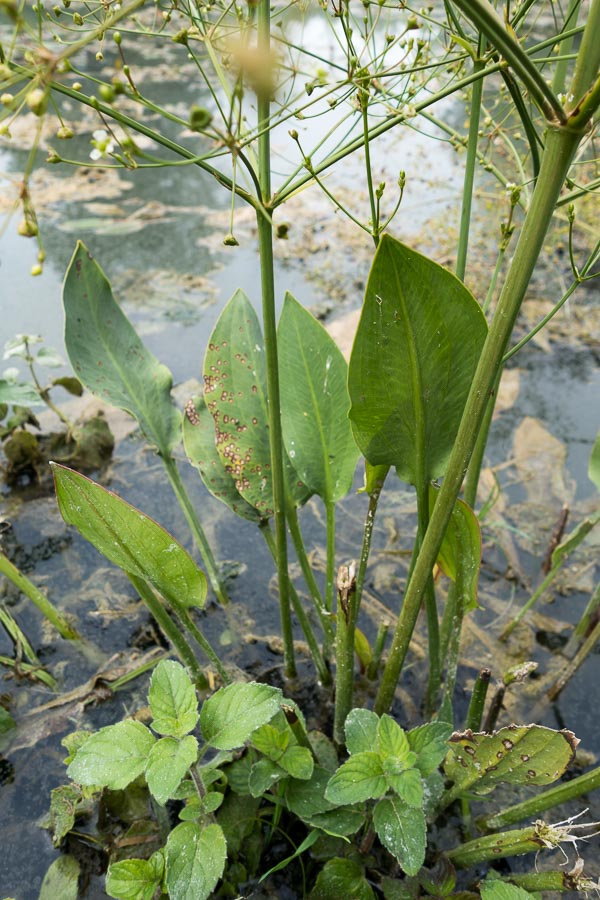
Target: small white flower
[102, 143]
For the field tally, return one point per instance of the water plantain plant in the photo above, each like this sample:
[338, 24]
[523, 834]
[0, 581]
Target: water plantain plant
[283, 418]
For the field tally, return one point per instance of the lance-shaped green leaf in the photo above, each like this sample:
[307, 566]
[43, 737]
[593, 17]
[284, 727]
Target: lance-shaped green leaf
[459, 557]
[128, 538]
[314, 403]
[417, 345]
[201, 450]
[401, 829]
[108, 356]
[235, 391]
[517, 754]
[573, 540]
[195, 860]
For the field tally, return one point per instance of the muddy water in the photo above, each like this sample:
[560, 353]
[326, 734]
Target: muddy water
[159, 239]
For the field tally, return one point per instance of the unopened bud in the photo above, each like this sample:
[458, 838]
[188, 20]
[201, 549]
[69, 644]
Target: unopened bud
[231, 241]
[99, 56]
[36, 269]
[64, 133]
[27, 228]
[36, 101]
[200, 118]
[107, 92]
[77, 19]
[117, 38]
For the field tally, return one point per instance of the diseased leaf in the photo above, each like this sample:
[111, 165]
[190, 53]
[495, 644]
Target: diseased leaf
[195, 860]
[129, 538]
[201, 450]
[168, 764]
[108, 356]
[114, 756]
[417, 345]
[401, 829]
[314, 404]
[459, 556]
[172, 699]
[517, 754]
[361, 730]
[360, 778]
[72, 385]
[342, 878]
[235, 391]
[229, 717]
[135, 879]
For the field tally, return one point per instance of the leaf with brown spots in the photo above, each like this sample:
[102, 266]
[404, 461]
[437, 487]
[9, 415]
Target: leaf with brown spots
[517, 754]
[201, 450]
[235, 392]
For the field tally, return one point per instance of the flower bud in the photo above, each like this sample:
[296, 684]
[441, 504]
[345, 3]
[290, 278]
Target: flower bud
[77, 19]
[77, 85]
[27, 228]
[64, 133]
[36, 269]
[231, 241]
[6, 99]
[107, 93]
[99, 56]
[117, 38]
[200, 118]
[36, 101]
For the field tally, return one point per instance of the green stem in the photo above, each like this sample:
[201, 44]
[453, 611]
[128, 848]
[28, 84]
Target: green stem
[551, 881]
[471, 161]
[330, 562]
[186, 620]
[486, 19]
[265, 246]
[588, 57]
[22, 583]
[378, 648]
[560, 148]
[477, 702]
[344, 652]
[507, 631]
[570, 669]
[433, 625]
[313, 645]
[560, 73]
[364, 103]
[535, 806]
[196, 528]
[31, 671]
[307, 572]
[168, 627]
[476, 461]
[582, 628]
[451, 634]
[495, 846]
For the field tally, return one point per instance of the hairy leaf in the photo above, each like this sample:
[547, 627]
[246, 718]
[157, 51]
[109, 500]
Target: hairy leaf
[135, 879]
[195, 860]
[172, 699]
[114, 756]
[401, 829]
[168, 764]
[360, 778]
[229, 717]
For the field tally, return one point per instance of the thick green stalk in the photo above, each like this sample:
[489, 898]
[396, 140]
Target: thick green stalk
[495, 846]
[560, 147]
[330, 561]
[476, 461]
[265, 246]
[186, 620]
[486, 19]
[196, 528]
[588, 58]
[22, 583]
[535, 806]
[552, 881]
[477, 702]
[344, 651]
[168, 627]
[471, 161]
[590, 615]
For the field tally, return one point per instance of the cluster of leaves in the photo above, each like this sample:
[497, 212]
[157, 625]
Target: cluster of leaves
[86, 444]
[256, 761]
